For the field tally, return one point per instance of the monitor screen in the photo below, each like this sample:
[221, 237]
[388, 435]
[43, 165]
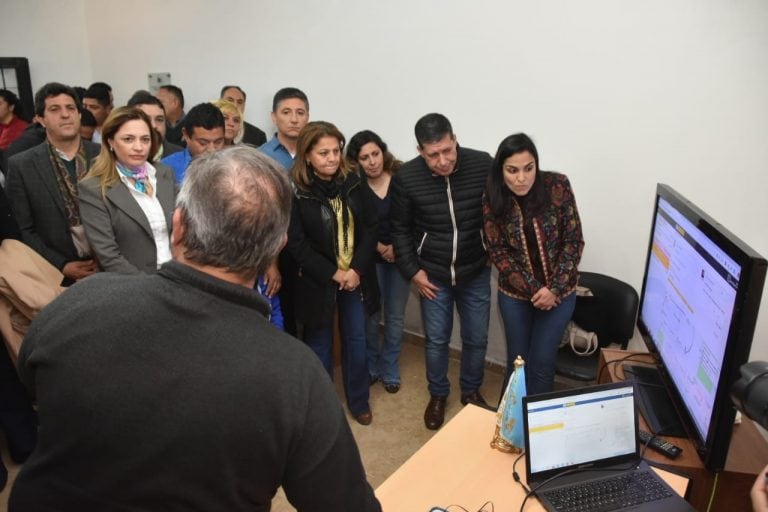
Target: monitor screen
[690, 293]
[698, 309]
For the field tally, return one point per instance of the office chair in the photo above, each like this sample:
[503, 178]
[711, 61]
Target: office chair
[610, 313]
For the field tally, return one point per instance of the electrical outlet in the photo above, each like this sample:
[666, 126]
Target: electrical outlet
[157, 80]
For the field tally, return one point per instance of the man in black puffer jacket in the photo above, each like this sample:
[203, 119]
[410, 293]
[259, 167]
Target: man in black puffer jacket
[437, 236]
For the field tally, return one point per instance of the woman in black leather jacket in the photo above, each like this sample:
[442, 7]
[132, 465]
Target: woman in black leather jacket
[332, 237]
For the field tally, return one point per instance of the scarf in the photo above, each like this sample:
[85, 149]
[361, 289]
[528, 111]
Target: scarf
[330, 190]
[67, 187]
[139, 175]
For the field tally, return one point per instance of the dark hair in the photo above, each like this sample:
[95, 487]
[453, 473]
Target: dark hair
[12, 100]
[176, 91]
[431, 128]
[203, 115]
[499, 196]
[50, 90]
[224, 89]
[80, 92]
[142, 97]
[235, 207]
[362, 138]
[287, 93]
[308, 138]
[101, 85]
[87, 119]
[98, 93]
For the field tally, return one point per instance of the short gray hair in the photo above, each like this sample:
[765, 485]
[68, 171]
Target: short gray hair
[235, 206]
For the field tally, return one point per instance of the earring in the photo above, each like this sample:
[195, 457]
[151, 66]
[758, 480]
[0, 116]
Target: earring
[111, 149]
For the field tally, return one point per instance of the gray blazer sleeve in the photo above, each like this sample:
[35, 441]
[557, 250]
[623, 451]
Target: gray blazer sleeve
[98, 223]
[28, 201]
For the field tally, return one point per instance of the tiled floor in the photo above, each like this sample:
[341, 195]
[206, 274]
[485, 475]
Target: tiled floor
[398, 428]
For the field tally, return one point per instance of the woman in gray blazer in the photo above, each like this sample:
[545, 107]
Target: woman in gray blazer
[126, 203]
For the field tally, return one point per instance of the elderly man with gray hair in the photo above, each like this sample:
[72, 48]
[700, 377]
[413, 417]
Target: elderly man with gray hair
[172, 391]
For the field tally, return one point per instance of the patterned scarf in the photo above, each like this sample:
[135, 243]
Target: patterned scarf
[139, 175]
[66, 187]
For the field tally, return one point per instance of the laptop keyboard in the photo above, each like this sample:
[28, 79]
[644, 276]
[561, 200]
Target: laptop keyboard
[613, 493]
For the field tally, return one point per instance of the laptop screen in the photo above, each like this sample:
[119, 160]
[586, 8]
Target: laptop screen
[579, 427]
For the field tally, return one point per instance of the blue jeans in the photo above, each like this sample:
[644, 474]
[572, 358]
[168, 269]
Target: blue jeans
[382, 357]
[534, 335]
[354, 369]
[473, 302]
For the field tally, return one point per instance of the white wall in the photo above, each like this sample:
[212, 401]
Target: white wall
[618, 95]
[51, 34]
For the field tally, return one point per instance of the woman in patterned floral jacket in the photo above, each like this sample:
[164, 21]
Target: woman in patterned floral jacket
[534, 238]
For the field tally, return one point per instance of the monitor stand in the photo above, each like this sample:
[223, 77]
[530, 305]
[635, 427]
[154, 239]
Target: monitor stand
[653, 399]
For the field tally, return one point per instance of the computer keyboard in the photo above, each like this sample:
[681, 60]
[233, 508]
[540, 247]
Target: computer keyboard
[607, 494]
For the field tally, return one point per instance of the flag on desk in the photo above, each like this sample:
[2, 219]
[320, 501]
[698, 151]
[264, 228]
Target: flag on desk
[508, 436]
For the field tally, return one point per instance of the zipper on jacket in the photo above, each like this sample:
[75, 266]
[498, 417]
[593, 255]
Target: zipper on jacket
[421, 244]
[455, 247]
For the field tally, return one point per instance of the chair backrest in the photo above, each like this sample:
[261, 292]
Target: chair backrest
[612, 310]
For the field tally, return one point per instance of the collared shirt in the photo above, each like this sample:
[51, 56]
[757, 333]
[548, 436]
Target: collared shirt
[153, 211]
[69, 164]
[275, 150]
[179, 163]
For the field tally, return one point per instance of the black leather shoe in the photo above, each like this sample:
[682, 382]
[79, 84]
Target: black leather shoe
[434, 415]
[391, 387]
[474, 398]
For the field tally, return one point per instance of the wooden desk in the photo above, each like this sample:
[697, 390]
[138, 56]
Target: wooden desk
[747, 455]
[458, 467]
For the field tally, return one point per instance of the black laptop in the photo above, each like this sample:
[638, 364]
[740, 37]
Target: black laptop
[590, 436]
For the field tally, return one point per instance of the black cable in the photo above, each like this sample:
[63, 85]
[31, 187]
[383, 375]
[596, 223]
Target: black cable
[630, 357]
[645, 445]
[455, 505]
[515, 474]
[489, 502]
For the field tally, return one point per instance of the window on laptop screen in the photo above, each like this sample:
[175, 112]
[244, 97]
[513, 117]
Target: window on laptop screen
[577, 429]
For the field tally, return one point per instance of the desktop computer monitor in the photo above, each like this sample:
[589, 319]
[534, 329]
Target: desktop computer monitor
[698, 308]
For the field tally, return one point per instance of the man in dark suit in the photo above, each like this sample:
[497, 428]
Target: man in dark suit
[42, 185]
[251, 134]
